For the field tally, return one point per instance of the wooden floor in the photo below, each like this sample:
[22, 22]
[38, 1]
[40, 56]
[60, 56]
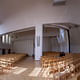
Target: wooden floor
[27, 69]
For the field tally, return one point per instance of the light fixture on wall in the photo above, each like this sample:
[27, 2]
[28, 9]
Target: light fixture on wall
[38, 41]
[59, 2]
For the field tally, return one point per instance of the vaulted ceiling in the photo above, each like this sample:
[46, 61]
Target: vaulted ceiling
[9, 7]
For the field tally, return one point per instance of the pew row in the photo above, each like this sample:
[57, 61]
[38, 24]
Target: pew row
[62, 67]
[7, 61]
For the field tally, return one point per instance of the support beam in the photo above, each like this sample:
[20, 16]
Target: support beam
[69, 40]
[38, 41]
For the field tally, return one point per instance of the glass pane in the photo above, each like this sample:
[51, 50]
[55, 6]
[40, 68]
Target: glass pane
[62, 33]
[7, 38]
[3, 39]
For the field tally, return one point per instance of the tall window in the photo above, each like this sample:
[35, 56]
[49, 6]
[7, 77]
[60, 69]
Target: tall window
[9, 39]
[61, 37]
[62, 33]
[6, 39]
[3, 39]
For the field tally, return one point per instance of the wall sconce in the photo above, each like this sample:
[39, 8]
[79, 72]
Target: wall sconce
[38, 41]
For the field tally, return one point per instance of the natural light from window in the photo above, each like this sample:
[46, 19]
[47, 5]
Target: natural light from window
[6, 39]
[3, 39]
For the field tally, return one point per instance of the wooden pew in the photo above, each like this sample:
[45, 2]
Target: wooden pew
[7, 61]
[69, 64]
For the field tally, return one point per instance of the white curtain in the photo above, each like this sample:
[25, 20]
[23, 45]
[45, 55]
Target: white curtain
[61, 37]
[63, 40]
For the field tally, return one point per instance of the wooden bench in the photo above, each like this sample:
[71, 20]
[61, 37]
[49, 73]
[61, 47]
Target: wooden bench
[7, 61]
[69, 64]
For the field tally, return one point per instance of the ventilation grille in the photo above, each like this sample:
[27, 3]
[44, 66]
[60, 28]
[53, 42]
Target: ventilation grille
[59, 2]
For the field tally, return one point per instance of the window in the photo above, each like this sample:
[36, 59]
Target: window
[6, 39]
[62, 33]
[9, 39]
[3, 39]
[61, 37]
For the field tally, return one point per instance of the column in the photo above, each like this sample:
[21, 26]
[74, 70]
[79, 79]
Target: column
[38, 41]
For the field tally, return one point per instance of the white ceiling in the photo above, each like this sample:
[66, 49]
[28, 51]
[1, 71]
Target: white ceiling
[9, 7]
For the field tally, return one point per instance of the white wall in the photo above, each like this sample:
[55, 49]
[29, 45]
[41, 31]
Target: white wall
[24, 43]
[49, 42]
[74, 12]
[52, 42]
[55, 46]
[23, 46]
[75, 40]
[46, 44]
